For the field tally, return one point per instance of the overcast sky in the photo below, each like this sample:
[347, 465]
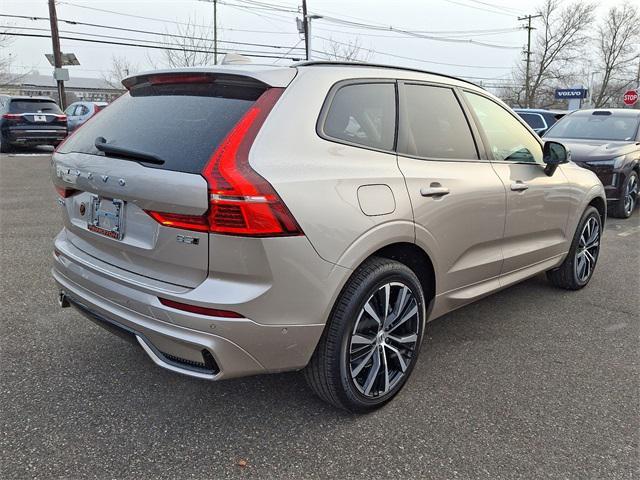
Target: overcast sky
[453, 19]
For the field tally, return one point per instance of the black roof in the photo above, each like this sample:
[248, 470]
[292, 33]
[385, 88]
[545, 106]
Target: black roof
[312, 63]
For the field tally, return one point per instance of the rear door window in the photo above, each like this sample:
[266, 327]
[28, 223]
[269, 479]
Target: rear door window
[434, 125]
[34, 106]
[363, 114]
[180, 123]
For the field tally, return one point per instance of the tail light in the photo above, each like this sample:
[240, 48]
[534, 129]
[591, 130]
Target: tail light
[66, 192]
[241, 202]
[61, 118]
[12, 116]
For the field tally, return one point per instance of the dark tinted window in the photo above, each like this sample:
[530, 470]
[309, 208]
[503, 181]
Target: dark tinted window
[437, 127]
[364, 114]
[596, 127]
[181, 124]
[34, 106]
[533, 119]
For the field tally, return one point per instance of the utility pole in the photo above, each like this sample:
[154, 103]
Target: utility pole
[57, 55]
[527, 76]
[215, 32]
[305, 26]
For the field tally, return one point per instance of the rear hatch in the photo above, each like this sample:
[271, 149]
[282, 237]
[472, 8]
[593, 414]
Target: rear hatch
[35, 114]
[141, 159]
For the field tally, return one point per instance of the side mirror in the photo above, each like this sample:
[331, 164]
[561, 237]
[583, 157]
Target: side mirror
[554, 154]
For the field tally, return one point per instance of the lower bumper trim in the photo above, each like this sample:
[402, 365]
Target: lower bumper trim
[209, 371]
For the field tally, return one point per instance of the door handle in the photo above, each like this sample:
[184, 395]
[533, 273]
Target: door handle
[519, 186]
[434, 191]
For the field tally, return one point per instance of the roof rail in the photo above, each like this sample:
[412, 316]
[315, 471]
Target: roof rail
[311, 63]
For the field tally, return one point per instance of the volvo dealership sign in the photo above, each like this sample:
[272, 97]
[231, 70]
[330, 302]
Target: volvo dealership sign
[571, 93]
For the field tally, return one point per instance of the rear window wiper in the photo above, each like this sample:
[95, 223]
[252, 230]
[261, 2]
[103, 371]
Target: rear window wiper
[126, 153]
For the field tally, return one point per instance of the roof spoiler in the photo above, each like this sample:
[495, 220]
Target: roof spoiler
[237, 73]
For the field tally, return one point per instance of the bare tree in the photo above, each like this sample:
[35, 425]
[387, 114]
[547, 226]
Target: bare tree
[7, 77]
[617, 53]
[191, 46]
[120, 69]
[353, 51]
[561, 38]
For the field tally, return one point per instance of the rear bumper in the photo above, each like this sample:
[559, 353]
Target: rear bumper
[200, 346]
[36, 136]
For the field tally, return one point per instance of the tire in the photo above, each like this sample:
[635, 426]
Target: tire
[4, 146]
[623, 208]
[343, 370]
[577, 269]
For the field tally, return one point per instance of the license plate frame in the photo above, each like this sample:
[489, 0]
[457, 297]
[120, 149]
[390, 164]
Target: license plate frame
[39, 118]
[106, 217]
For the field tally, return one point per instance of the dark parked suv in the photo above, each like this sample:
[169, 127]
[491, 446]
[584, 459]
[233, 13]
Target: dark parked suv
[30, 121]
[607, 142]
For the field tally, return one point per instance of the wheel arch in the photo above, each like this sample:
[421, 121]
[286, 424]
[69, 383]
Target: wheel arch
[601, 205]
[417, 260]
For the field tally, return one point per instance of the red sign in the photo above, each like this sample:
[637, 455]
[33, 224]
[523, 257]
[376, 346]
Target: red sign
[630, 97]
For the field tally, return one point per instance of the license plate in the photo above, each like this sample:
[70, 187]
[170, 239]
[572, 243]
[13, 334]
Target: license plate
[39, 118]
[106, 217]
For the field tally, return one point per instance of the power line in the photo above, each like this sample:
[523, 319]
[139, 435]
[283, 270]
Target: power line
[73, 22]
[393, 55]
[159, 47]
[499, 7]
[480, 8]
[124, 38]
[394, 35]
[324, 17]
[133, 30]
[419, 35]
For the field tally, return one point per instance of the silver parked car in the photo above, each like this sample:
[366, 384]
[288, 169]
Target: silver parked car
[310, 217]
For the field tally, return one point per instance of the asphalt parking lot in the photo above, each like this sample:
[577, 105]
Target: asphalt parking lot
[532, 382]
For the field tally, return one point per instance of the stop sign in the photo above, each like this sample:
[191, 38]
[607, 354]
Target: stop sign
[630, 97]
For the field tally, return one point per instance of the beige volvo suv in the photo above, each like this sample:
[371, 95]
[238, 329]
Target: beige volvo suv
[249, 219]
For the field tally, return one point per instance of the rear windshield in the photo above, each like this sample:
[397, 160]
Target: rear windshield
[595, 127]
[533, 119]
[34, 106]
[180, 124]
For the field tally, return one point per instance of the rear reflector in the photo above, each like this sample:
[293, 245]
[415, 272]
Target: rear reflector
[212, 312]
[188, 222]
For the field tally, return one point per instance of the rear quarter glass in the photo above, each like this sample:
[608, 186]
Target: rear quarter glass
[180, 123]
